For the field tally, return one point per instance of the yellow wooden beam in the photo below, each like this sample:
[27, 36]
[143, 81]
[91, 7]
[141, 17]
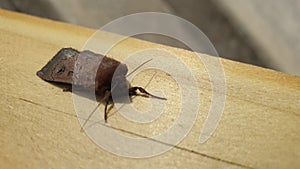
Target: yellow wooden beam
[39, 129]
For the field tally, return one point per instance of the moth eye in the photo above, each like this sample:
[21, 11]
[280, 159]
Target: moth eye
[61, 70]
[70, 73]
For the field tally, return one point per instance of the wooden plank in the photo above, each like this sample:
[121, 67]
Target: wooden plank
[39, 129]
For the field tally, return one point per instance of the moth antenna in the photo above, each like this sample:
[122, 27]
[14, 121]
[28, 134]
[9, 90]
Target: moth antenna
[150, 79]
[132, 90]
[138, 67]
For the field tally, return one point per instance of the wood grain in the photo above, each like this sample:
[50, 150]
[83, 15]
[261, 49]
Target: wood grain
[39, 127]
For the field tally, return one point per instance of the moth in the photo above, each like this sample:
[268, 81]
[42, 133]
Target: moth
[87, 70]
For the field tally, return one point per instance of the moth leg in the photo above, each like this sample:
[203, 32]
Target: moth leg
[105, 111]
[67, 89]
[132, 92]
[106, 99]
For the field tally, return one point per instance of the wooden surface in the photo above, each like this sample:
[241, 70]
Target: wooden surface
[260, 127]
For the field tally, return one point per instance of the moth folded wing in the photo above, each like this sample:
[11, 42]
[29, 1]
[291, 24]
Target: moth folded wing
[60, 67]
[111, 77]
[84, 75]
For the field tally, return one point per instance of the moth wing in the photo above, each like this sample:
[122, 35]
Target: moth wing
[61, 67]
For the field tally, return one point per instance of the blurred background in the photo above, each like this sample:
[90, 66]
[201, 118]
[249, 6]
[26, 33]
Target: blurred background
[263, 33]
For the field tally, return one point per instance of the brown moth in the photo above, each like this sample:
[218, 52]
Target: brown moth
[87, 70]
